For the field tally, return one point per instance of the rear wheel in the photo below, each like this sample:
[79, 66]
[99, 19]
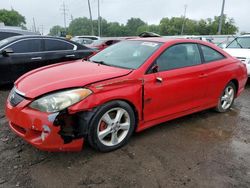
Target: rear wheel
[112, 126]
[226, 100]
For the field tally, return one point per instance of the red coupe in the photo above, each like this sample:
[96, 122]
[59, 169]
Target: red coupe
[128, 87]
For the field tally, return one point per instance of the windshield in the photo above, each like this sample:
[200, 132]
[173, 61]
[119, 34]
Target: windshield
[240, 42]
[126, 54]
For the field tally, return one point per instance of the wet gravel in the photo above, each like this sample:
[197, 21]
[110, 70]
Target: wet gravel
[206, 149]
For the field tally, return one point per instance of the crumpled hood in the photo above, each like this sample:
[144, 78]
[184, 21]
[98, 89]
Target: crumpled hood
[65, 75]
[238, 52]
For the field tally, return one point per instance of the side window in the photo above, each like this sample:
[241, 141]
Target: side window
[211, 54]
[55, 45]
[25, 46]
[178, 56]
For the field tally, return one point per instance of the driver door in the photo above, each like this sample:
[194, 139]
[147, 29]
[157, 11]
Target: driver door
[178, 86]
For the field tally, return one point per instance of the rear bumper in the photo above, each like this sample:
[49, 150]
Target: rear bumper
[37, 128]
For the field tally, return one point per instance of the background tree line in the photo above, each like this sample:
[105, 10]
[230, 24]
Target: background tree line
[12, 18]
[135, 26]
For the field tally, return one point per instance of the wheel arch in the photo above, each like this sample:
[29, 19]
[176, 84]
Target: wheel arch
[132, 105]
[236, 83]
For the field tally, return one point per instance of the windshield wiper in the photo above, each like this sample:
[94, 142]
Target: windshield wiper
[237, 41]
[100, 62]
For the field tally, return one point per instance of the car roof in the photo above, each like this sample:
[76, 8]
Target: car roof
[164, 40]
[14, 38]
[35, 36]
[246, 35]
[17, 31]
[18, 37]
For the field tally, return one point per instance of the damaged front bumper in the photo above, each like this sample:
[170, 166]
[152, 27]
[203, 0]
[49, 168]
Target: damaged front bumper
[48, 132]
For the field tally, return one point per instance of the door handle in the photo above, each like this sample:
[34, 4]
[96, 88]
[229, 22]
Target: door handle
[203, 75]
[36, 58]
[159, 79]
[70, 55]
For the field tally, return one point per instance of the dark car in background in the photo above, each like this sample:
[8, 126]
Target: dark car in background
[6, 32]
[20, 54]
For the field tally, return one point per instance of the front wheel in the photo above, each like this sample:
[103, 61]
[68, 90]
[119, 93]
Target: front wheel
[226, 100]
[112, 126]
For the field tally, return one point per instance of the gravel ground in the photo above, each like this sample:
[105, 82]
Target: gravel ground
[206, 149]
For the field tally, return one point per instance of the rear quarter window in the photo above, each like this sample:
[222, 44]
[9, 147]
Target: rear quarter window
[57, 45]
[211, 54]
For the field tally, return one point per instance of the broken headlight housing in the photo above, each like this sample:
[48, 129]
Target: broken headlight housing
[60, 100]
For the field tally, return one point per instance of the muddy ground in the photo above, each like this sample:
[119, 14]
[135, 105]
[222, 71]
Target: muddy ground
[206, 149]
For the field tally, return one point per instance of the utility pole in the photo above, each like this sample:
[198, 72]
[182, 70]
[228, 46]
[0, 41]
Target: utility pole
[34, 24]
[99, 20]
[91, 20]
[221, 17]
[64, 12]
[41, 29]
[184, 19]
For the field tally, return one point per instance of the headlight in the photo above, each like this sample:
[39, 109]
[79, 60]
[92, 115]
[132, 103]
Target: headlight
[58, 101]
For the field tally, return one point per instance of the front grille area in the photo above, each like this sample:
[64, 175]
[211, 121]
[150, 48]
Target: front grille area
[15, 98]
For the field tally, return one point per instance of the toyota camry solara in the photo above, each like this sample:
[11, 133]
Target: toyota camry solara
[126, 88]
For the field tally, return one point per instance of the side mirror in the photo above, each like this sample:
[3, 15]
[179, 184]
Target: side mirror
[155, 68]
[7, 51]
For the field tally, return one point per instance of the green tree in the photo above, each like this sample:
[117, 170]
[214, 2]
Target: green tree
[12, 18]
[56, 30]
[150, 28]
[133, 24]
[202, 27]
[164, 25]
[114, 29]
[80, 26]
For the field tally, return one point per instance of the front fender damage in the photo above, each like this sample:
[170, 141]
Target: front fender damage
[72, 126]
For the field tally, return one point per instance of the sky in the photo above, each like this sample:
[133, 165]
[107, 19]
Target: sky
[47, 13]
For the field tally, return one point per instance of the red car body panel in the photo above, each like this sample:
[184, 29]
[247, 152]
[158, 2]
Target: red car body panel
[187, 90]
[68, 75]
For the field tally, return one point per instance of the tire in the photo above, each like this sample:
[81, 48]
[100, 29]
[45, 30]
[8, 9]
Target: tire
[112, 126]
[226, 99]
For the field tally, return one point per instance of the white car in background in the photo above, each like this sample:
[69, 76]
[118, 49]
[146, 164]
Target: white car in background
[240, 48]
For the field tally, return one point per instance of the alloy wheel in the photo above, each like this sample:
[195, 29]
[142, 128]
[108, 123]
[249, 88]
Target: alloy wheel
[113, 126]
[227, 97]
